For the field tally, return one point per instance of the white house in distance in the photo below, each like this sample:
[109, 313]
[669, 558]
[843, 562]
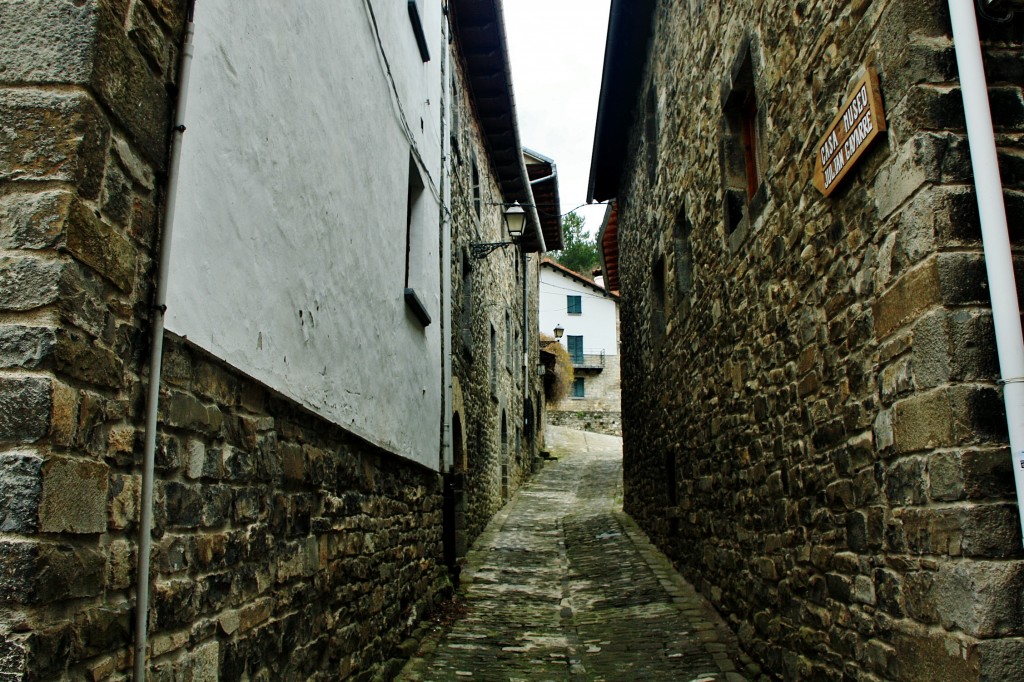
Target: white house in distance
[589, 318]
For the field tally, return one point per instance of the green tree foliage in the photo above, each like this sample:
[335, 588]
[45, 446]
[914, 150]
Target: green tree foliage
[580, 252]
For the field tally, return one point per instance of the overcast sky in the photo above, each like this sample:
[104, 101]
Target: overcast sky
[557, 53]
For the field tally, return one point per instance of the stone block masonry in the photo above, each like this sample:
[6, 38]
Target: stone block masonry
[602, 388]
[609, 423]
[303, 550]
[816, 436]
[284, 548]
[494, 401]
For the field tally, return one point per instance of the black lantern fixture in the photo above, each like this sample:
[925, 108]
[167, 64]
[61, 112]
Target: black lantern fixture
[559, 330]
[515, 221]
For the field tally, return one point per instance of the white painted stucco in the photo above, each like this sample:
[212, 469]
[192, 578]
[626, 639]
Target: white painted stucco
[596, 323]
[289, 247]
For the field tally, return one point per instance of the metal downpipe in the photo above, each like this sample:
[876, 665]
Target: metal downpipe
[992, 212]
[156, 360]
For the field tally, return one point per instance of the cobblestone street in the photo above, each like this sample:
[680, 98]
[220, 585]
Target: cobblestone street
[563, 586]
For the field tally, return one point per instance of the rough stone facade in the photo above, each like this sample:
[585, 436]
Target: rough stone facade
[496, 441]
[600, 410]
[284, 548]
[813, 428]
[603, 388]
[599, 422]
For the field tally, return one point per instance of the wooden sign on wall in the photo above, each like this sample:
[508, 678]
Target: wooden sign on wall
[859, 121]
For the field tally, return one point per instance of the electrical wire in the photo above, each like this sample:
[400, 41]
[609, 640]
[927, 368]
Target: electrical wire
[575, 291]
[403, 119]
[560, 309]
[547, 213]
[596, 203]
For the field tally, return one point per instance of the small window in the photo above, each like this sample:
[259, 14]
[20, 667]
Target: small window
[494, 361]
[575, 345]
[651, 135]
[683, 262]
[455, 121]
[574, 304]
[751, 153]
[476, 188]
[417, 250]
[412, 231]
[657, 298]
[467, 301]
[742, 165]
[578, 388]
[417, 29]
[515, 339]
[508, 342]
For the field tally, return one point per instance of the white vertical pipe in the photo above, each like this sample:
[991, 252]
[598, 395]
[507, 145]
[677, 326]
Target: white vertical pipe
[156, 361]
[998, 256]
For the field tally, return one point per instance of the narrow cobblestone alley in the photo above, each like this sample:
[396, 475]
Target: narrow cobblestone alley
[563, 586]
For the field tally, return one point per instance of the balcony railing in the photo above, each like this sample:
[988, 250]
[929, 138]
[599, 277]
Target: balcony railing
[588, 359]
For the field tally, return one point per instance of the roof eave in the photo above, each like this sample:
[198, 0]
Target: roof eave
[543, 175]
[581, 279]
[479, 24]
[607, 242]
[628, 38]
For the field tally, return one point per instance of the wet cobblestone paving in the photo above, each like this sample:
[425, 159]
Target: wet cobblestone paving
[563, 586]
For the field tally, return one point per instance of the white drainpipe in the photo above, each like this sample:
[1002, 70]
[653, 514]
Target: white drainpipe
[998, 256]
[155, 363]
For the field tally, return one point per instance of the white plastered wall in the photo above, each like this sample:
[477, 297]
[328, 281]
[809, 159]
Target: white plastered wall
[289, 247]
[596, 323]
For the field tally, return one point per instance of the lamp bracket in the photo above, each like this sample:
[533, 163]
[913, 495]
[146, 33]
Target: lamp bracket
[484, 250]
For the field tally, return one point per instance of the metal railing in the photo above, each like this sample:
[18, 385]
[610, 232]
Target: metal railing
[588, 359]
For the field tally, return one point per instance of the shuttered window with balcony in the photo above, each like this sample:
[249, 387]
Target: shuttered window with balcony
[575, 349]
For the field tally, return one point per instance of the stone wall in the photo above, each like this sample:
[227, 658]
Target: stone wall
[813, 428]
[283, 546]
[487, 297]
[296, 548]
[602, 389]
[599, 422]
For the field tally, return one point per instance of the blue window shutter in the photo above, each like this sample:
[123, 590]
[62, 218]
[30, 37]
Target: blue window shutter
[578, 388]
[574, 305]
[576, 349]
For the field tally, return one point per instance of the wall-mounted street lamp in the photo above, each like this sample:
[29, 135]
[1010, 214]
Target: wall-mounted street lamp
[515, 219]
[559, 330]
